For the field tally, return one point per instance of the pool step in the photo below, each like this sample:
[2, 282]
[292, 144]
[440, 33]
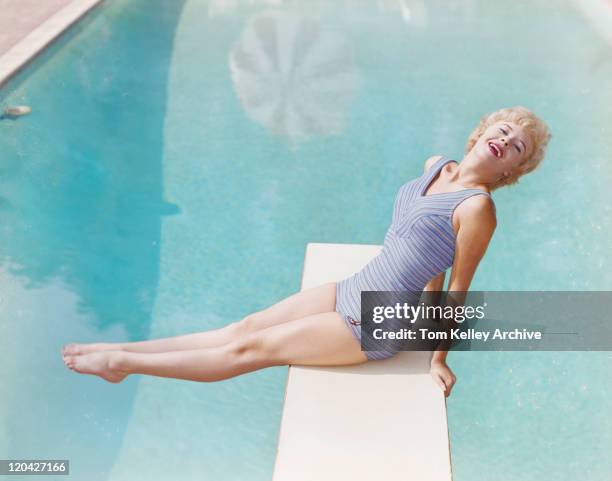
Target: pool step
[382, 420]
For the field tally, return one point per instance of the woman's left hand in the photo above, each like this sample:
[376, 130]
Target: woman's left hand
[443, 376]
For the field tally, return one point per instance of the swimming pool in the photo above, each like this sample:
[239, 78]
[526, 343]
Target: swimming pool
[181, 155]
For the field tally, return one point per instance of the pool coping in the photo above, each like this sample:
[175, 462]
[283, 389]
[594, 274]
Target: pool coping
[20, 54]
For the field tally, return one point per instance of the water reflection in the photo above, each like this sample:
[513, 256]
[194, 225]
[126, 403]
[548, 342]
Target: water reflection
[413, 12]
[81, 208]
[224, 7]
[293, 77]
[49, 408]
[81, 184]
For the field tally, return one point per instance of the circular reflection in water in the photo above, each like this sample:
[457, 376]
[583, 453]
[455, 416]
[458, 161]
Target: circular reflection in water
[292, 77]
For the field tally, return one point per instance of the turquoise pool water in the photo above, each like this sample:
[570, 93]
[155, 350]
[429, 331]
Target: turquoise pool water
[181, 154]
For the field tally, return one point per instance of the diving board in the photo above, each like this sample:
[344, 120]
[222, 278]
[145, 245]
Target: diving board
[382, 420]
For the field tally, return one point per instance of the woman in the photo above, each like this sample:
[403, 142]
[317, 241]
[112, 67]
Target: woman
[445, 217]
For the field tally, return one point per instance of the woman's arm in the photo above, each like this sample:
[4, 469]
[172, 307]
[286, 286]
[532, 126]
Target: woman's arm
[436, 286]
[477, 222]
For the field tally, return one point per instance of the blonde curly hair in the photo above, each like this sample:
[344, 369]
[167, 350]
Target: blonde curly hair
[536, 128]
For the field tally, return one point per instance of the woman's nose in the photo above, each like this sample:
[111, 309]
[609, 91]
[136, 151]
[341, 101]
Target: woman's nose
[505, 142]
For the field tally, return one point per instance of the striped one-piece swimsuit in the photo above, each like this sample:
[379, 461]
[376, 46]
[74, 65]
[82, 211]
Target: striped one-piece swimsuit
[419, 244]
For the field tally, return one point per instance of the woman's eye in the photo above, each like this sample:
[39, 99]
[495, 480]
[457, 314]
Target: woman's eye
[505, 132]
[517, 149]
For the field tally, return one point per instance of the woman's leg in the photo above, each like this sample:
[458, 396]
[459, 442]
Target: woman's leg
[310, 301]
[317, 340]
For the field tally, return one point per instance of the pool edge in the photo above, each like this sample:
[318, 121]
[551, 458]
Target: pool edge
[35, 42]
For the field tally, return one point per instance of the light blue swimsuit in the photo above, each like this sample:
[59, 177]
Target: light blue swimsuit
[419, 244]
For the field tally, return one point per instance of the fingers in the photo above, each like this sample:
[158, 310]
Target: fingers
[449, 381]
[445, 381]
[439, 381]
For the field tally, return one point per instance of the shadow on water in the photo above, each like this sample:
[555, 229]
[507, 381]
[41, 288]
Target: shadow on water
[82, 175]
[80, 219]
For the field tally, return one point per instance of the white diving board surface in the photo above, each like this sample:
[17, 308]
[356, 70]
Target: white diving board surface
[382, 420]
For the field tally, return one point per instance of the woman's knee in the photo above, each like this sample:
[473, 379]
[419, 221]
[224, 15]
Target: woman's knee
[252, 350]
[245, 326]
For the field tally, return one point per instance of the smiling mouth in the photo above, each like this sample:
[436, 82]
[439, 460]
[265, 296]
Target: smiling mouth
[495, 150]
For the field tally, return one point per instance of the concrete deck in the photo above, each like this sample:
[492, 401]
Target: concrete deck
[381, 420]
[28, 26]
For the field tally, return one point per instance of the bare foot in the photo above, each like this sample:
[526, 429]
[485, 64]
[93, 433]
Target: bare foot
[75, 349]
[98, 363]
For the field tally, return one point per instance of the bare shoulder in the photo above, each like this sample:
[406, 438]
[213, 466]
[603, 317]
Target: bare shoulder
[431, 161]
[477, 212]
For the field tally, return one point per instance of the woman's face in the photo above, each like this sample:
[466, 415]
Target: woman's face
[503, 146]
